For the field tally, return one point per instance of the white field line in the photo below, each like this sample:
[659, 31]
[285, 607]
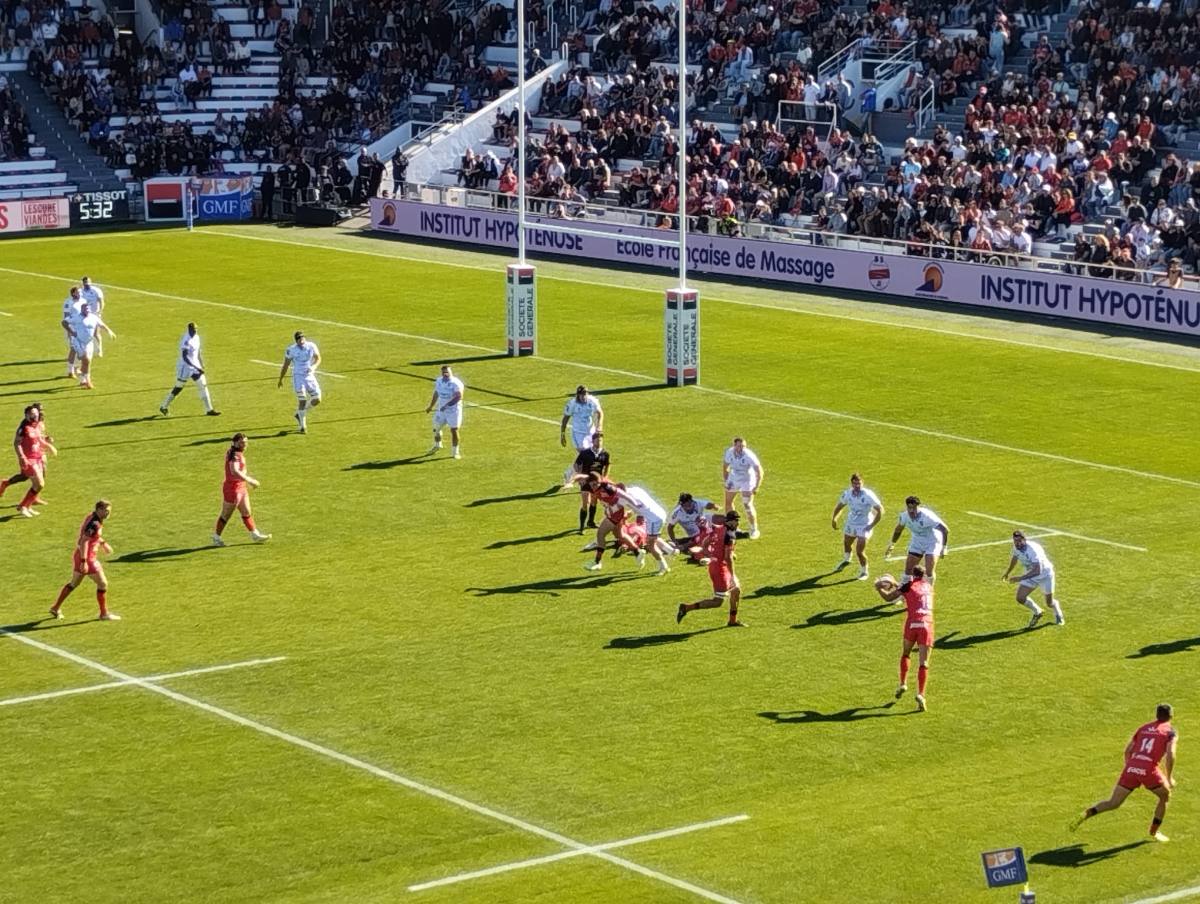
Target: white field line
[565, 855]
[957, 549]
[69, 692]
[791, 406]
[528, 417]
[962, 334]
[377, 771]
[1172, 896]
[6, 314]
[1063, 533]
[323, 373]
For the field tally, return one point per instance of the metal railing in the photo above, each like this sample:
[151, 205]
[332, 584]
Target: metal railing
[612, 217]
[924, 111]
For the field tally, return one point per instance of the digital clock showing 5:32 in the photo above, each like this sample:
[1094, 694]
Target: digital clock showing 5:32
[92, 208]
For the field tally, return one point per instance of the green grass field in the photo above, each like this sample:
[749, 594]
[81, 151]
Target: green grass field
[456, 693]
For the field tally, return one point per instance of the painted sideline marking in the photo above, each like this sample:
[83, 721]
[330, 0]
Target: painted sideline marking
[954, 549]
[377, 771]
[323, 373]
[823, 412]
[528, 417]
[1172, 896]
[1063, 533]
[749, 304]
[564, 855]
[69, 692]
[6, 314]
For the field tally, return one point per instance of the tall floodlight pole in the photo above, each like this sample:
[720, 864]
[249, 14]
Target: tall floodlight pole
[520, 290]
[682, 316]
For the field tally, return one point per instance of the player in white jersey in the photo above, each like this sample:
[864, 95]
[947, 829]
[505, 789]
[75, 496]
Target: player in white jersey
[691, 515]
[930, 537]
[585, 415]
[1039, 574]
[94, 296]
[742, 473]
[70, 314]
[190, 367]
[448, 399]
[85, 329]
[303, 357]
[863, 512]
[640, 502]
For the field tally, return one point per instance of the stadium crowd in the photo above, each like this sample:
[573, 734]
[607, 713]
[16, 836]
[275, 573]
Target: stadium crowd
[14, 124]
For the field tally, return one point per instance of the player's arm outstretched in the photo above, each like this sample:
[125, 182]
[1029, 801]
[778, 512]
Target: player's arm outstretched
[888, 590]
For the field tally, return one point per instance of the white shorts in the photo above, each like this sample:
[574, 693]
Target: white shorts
[857, 529]
[582, 440]
[83, 349]
[740, 485]
[929, 547]
[1043, 582]
[654, 526]
[306, 387]
[450, 417]
[184, 372]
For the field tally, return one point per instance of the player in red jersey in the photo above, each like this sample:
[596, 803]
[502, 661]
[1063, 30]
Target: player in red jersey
[719, 551]
[235, 493]
[86, 564]
[1149, 762]
[30, 443]
[918, 626]
[605, 492]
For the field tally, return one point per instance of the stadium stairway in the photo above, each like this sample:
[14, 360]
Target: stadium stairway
[85, 170]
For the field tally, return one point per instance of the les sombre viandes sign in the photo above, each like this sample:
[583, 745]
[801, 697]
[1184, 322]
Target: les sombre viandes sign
[1053, 295]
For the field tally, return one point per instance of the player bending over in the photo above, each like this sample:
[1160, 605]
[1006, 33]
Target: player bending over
[691, 515]
[719, 552]
[1149, 762]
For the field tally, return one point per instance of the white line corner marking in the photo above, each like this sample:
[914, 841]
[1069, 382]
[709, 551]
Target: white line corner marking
[133, 682]
[1059, 532]
[578, 852]
[377, 771]
[323, 373]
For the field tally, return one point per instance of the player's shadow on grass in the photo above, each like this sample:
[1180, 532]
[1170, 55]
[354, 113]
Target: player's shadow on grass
[44, 624]
[126, 421]
[31, 382]
[466, 359]
[521, 541]
[164, 552]
[955, 641]
[804, 585]
[1076, 855]
[853, 714]
[551, 586]
[517, 497]
[655, 640]
[423, 459]
[30, 363]
[1166, 649]
[224, 437]
[849, 616]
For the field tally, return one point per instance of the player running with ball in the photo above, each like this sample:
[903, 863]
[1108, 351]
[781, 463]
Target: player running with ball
[918, 626]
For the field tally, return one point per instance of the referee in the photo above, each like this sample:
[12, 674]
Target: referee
[589, 461]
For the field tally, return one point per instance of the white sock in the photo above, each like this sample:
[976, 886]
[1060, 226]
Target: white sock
[1057, 609]
[846, 558]
[1031, 605]
[206, 398]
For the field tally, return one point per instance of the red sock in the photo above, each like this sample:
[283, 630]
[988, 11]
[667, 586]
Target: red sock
[28, 500]
[922, 675]
[904, 670]
[221, 522]
[102, 599]
[63, 594]
[249, 522]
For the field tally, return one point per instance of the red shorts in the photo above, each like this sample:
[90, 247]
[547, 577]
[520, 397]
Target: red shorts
[921, 635]
[723, 578]
[1134, 777]
[233, 493]
[34, 467]
[79, 566]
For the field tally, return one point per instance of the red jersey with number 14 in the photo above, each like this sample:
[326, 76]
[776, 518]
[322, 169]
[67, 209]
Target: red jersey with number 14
[235, 461]
[1150, 744]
